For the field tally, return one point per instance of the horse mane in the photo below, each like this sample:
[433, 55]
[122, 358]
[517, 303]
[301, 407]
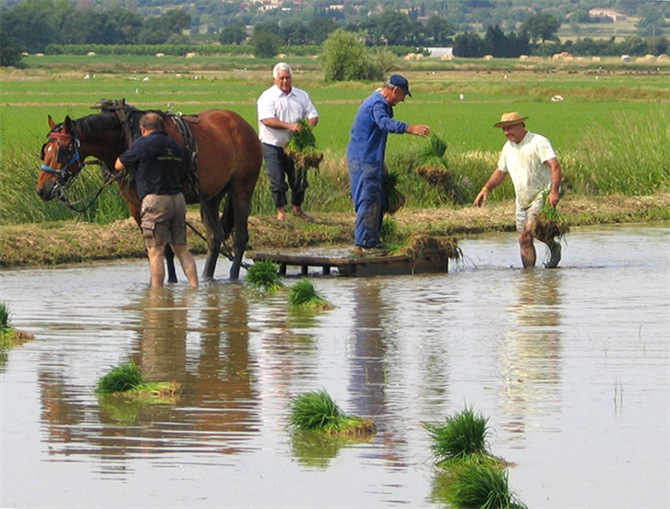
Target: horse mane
[105, 121]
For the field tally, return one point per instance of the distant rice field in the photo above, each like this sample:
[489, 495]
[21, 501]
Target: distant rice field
[610, 130]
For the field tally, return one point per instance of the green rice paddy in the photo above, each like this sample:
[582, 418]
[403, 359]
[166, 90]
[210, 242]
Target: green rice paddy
[611, 131]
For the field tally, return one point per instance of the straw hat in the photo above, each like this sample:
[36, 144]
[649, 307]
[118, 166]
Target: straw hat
[510, 119]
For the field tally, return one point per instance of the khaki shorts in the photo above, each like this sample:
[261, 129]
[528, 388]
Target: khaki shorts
[528, 214]
[163, 219]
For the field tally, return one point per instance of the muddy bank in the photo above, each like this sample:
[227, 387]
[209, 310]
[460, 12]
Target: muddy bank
[74, 242]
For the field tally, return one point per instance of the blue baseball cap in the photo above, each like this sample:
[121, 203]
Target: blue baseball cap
[400, 81]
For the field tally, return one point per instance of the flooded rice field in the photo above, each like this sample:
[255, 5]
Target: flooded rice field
[571, 366]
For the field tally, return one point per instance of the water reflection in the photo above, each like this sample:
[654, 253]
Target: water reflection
[531, 350]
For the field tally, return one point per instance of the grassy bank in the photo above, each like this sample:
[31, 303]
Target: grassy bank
[76, 242]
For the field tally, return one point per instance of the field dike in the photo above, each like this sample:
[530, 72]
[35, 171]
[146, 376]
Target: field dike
[31, 245]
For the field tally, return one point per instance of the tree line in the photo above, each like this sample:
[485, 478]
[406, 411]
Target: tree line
[36, 26]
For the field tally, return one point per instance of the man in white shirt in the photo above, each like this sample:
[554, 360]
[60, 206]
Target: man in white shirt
[531, 162]
[279, 109]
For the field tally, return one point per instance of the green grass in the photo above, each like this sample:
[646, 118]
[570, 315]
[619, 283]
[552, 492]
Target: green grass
[4, 316]
[263, 275]
[480, 486]
[316, 411]
[611, 135]
[303, 295]
[459, 437]
[127, 379]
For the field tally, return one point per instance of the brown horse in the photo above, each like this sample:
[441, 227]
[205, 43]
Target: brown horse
[221, 144]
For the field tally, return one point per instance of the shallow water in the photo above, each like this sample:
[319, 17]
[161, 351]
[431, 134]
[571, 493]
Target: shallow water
[571, 366]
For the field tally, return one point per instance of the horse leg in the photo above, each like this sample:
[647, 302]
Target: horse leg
[235, 217]
[209, 212]
[169, 258]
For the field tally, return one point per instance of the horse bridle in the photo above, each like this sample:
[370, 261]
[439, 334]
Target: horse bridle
[66, 156]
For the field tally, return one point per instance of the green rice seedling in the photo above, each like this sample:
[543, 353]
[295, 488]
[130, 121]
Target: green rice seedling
[549, 226]
[395, 198]
[433, 153]
[482, 487]
[303, 294]
[4, 316]
[263, 274]
[126, 379]
[302, 148]
[9, 336]
[459, 436]
[316, 411]
[122, 378]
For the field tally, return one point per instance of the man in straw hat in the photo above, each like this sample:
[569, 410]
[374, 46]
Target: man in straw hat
[533, 166]
[365, 160]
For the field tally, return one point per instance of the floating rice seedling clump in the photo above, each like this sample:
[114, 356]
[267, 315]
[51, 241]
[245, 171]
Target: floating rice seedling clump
[127, 380]
[549, 226]
[483, 487]
[460, 436]
[303, 294]
[395, 199]
[263, 274]
[316, 411]
[9, 336]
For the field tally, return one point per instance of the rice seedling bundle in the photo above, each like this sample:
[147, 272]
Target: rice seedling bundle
[263, 274]
[395, 199]
[4, 316]
[459, 436]
[549, 225]
[316, 411]
[302, 148]
[425, 246]
[483, 487]
[9, 336]
[303, 294]
[126, 379]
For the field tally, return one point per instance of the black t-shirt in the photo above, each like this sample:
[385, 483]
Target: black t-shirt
[159, 164]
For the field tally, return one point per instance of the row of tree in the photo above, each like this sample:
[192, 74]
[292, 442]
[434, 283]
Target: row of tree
[32, 25]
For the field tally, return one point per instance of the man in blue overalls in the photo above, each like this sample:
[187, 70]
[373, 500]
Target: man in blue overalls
[365, 159]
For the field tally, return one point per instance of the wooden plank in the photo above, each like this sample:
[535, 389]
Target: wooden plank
[355, 266]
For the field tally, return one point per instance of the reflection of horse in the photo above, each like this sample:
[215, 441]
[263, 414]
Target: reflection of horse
[225, 160]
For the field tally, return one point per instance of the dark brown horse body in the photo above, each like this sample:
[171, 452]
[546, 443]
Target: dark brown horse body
[228, 157]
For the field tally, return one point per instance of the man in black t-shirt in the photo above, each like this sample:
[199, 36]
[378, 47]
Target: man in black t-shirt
[159, 160]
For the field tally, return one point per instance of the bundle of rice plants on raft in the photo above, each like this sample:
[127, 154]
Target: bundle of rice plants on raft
[481, 486]
[127, 380]
[395, 199]
[459, 437]
[316, 411]
[549, 225]
[303, 294]
[263, 274]
[302, 148]
[424, 246]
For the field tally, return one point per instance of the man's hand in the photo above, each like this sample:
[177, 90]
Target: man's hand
[418, 130]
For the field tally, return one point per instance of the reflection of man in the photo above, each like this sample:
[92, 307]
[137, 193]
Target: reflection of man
[365, 159]
[279, 109]
[533, 166]
[159, 165]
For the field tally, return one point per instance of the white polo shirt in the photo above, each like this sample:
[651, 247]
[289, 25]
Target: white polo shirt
[291, 107]
[526, 164]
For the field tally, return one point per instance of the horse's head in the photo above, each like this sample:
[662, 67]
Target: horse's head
[61, 159]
